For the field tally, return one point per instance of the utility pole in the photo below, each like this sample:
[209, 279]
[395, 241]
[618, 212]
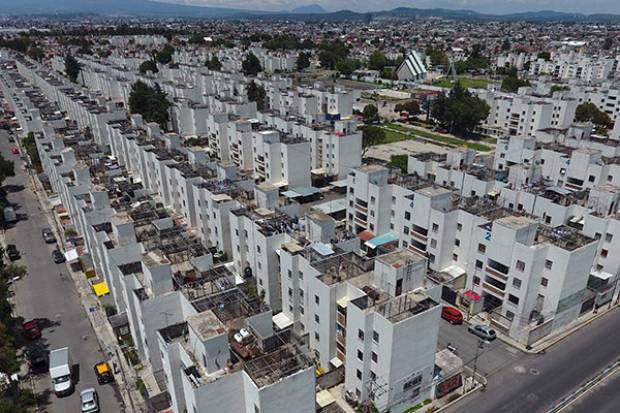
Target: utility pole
[478, 348]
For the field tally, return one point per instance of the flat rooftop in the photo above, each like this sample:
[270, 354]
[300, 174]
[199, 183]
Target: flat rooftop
[400, 258]
[206, 325]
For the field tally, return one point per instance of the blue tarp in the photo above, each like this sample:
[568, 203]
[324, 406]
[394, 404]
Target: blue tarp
[381, 240]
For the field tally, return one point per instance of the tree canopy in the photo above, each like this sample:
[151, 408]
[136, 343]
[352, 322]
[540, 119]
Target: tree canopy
[412, 107]
[512, 83]
[256, 93]
[72, 68]
[303, 61]
[150, 102]
[7, 168]
[370, 113]
[460, 112]
[148, 66]
[330, 53]
[251, 65]
[214, 63]
[588, 112]
[165, 55]
[371, 135]
[348, 66]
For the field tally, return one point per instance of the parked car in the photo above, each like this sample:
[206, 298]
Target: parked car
[58, 257]
[31, 330]
[12, 252]
[484, 332]
[451, 315]
[37, 359]
[89, 401]
[48, 236]
[103, 373]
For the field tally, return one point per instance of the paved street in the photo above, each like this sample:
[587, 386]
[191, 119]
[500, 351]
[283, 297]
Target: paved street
[534, 383]
[492, 357]
[43, 294]
[602, 399]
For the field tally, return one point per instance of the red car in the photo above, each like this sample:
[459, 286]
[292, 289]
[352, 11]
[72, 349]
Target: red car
[31, 330]
[451, 315]
[15, 151]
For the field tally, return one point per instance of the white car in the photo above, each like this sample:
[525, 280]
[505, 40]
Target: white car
[89, 401]
[484, 332]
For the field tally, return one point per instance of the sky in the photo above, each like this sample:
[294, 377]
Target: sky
[486, 6]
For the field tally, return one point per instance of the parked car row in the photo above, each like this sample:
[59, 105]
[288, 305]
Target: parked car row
[454, 316]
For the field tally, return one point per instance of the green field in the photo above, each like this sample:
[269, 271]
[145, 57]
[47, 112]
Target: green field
[466, 82]
[395, 133]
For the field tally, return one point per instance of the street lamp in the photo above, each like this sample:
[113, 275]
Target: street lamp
[479, 347]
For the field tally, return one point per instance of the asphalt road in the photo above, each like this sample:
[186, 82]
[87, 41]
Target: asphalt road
[52, 299]
[602, 399]
[492, 357]
[534, 383]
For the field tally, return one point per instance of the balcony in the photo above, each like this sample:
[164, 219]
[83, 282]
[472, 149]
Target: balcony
[493, 290]
[496, 273]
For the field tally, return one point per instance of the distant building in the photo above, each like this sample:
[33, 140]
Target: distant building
[412, 68]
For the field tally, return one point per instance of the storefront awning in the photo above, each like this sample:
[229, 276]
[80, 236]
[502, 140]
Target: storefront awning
[101, 289]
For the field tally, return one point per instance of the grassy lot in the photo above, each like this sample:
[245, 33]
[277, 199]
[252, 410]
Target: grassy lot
[466, 82]
[403, 132]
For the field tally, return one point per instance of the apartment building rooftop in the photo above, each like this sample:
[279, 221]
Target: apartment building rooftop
[274, 366]
[396, 309]
[400, 258]
[340, 268]
[516, 221]
[563, 237]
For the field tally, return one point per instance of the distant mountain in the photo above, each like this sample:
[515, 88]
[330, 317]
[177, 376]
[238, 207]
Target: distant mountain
[309, 9]
[113, 8]
[311, 12]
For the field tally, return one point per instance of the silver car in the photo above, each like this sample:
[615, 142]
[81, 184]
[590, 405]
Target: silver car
[48, 236]
[484, 332]
[89, 401]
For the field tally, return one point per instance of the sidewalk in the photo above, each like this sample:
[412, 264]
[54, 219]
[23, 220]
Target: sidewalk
[124, 374]
[542, 345]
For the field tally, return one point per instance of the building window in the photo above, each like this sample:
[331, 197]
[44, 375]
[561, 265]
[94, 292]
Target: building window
[476, 280]
[479, 264]
[455, 257]
[513, 299]
[516, 283]
[316, 300]
[316, 336]
[608, 237]
[459, 226]
[510, 315]
[360, 334]
[433, 243]
[604, 253]
[374, 356]
[358, 373]
[520, 265]
[375, 337]
[290, 273]
[482, 248]
[360, 355]
[316, 318]
[548, 264]
[457, 242]
[406, 230]
[435, 227]
[431, 258]
[544, 281]
[407, 216]
[591, 178]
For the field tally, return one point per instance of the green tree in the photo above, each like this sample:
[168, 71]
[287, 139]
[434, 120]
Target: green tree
[7, 169]
[332, 52]
[506, 45]
[165, 55]
[607, 43]
[72, 68]
[151, 102]
[197, 38]
[30, 146]
[36, 53]
[412, 107]
[370, 113]
[459, 111]
[377, 61]
[251, 65]
[347, 66]
[438, 57]
[256, 93]
[544, 55]
[214, 63]
[588, 112]
[371, 136]
[512, 83]
[148, 66]
[303, 61]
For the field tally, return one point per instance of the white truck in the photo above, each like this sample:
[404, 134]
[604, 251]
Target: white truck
[60, 371]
